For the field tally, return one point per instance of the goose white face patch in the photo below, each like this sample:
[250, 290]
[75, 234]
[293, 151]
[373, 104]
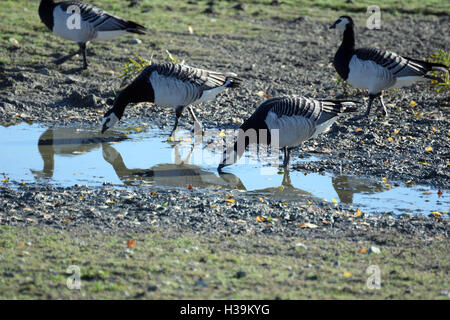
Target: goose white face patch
[342, 24]
[109, 121]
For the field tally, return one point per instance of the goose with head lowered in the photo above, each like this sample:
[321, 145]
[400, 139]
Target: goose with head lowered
[376, 70]
[82, 22]
[290, 119]
[171, 85]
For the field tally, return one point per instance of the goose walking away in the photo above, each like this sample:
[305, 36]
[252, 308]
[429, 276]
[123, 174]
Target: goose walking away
[374, 69]
[296, 118]
[171, 85]
[82, 22]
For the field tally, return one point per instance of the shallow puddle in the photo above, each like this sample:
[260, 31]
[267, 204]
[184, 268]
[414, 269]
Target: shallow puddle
[137, 156]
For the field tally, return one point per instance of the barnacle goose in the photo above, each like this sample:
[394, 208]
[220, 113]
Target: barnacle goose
[171, 85]
[374, 69]
[93, 24]
[296, 118]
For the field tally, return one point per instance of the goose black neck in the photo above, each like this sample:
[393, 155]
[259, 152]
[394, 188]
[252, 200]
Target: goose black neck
[46, 12]
[345, 52]
[137, 91]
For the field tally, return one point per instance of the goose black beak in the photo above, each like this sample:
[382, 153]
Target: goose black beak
[333, 26]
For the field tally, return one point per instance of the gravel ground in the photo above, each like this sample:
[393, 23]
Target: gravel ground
[293, 59]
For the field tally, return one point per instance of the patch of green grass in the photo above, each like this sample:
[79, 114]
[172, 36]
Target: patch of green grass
[19, 19]
[34, 265]
[444, 58]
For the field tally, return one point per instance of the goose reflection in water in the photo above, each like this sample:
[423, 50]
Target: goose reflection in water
[178, 174]
[347, 186]
[286, 191]
[69, 142]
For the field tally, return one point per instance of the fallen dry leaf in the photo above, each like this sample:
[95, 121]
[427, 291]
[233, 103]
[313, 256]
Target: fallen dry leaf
[131, 243]
[307, 225]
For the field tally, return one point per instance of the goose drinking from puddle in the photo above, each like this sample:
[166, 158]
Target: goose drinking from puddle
[292, 119]
[171, 85]
[374, 69]
[82, 22]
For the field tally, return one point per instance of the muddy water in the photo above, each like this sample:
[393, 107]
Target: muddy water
[141, 156]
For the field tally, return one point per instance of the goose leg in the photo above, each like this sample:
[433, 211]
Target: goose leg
[369, 105]
[385, 113]
[196, 122]
[178, 112]
[83, 51]
[287, 155]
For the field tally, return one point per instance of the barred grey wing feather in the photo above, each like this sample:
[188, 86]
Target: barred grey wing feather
[203, 79]
[101, 20]
[295, 105]
[399, 66]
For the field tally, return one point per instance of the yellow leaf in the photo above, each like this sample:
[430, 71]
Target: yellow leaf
[307, 225]
[230, 201]
[412, 103]
[285, 203]
[396, 131]
[309, 202]
[358, 213]
[384, 179]
[109, 201]
[390, 139]
[429, 149]
[5, 180]
[434, 129]
[358, 129]
[281, 188]
[260, 219]
[222, 134]
[436, 213]
[213, 205]
[387, 185]
[261, 199]
[363, 250]
[191, 31]
[347, 274]
[334, 200]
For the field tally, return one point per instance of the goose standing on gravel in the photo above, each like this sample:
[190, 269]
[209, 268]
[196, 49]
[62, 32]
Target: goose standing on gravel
[81, 22]
[171, 85]
[296, 118]
[376, 70]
